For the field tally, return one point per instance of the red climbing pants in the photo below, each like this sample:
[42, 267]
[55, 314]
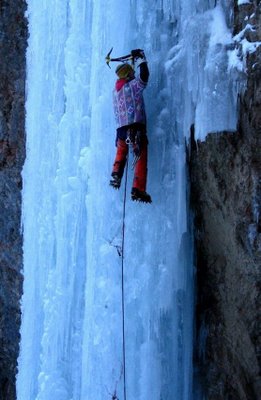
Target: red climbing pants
[140, 169]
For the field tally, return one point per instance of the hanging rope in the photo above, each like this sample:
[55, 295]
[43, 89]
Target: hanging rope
[122, 280]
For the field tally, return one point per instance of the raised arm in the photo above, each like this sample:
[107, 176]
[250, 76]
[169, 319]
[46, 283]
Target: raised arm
[141, 62]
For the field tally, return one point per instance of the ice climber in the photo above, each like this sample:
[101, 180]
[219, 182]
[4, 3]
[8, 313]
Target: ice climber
[130, 118]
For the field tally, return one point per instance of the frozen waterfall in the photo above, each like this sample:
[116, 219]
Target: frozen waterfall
[71, 334]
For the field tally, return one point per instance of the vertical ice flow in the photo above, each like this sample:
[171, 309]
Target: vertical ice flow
[71, 334]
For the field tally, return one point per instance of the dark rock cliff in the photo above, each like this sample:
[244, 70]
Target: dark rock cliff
[13, 38]
[225, 196]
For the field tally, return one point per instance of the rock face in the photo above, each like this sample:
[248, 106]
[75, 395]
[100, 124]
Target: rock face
[13, 38]
[225, 196]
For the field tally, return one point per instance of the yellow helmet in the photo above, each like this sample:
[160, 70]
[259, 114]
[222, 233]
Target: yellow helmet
[123, 70]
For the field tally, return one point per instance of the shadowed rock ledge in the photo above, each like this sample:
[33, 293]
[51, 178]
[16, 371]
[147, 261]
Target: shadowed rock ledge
[225, 196]
[13, 39]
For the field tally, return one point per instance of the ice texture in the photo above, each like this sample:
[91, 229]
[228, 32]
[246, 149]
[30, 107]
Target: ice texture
[198, 72]
[71, 334]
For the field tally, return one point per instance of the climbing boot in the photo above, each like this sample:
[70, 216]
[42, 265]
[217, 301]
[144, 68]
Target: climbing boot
[138, 195]
[115, 181]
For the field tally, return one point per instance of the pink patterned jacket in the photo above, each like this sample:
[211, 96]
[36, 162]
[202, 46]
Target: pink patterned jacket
[128, 102]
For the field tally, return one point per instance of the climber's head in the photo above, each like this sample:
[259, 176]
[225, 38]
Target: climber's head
[124, 71]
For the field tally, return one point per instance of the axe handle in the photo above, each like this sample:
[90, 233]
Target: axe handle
[128, 57]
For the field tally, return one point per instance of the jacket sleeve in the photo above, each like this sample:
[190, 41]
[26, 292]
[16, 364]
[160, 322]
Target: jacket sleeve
[144, 72]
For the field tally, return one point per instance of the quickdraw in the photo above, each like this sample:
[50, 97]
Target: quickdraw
[134, 139]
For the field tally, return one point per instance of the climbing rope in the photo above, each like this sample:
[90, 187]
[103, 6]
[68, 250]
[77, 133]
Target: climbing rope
[122, 280]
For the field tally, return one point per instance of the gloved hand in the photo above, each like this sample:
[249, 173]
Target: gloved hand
[137, 53]
[138, 57]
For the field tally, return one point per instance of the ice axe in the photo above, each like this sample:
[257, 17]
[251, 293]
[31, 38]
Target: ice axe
[119, 59]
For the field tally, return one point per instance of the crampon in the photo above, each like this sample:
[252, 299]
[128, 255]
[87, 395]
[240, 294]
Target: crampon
[138, 195]
[115, 181]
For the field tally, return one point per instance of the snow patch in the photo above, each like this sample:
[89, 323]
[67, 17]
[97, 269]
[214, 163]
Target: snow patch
[242, 47]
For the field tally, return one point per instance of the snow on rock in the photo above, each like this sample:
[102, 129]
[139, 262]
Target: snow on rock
[242, 47]
[242, 2]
